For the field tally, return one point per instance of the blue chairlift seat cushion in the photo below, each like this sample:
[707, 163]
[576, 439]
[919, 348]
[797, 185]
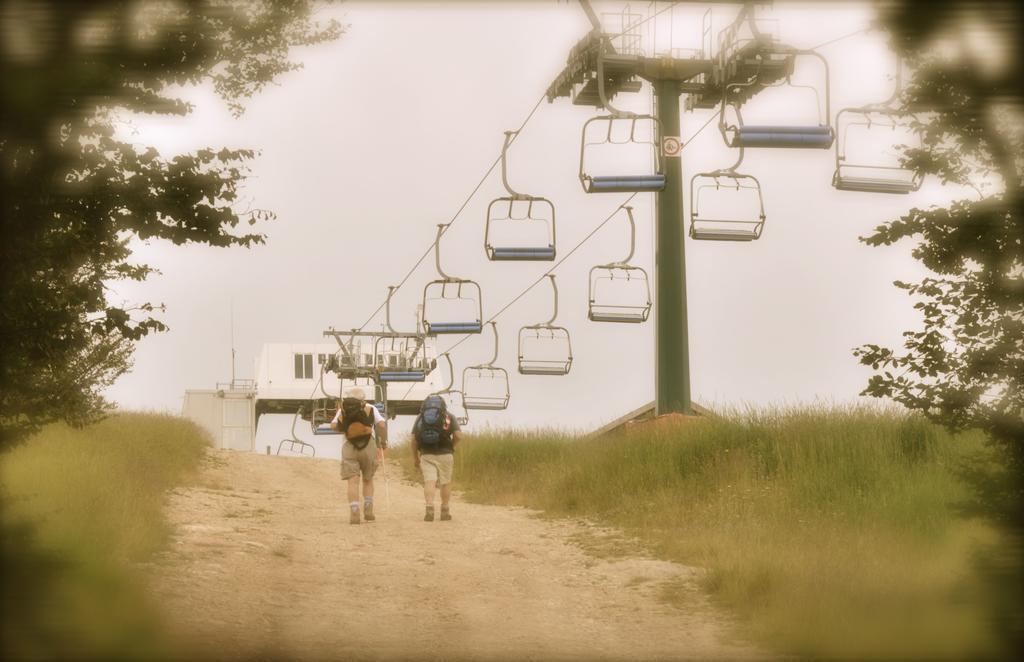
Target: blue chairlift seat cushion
[508, 253]
[324, 428]
[627, 183]
[454, 327]
[813, 137]
[410, 376]
[819, 129]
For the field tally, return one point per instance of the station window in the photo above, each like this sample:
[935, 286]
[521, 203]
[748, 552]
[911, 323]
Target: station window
[303, 366]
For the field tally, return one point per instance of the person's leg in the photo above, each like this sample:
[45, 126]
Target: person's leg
[353, 499]
[367, 468]
[368, 500]
[445, 478]
[429, 469]
[429, 486]
[350, 474]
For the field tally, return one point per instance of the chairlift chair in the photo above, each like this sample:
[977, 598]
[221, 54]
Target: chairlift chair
[350, 361]
[323, 411]
[449, 391]
[294, 442]
[871, 177]
[485, 386]
[814, 136]
[725, 229]
[619, 291]
[450, 304]
[545, 349]
[506, 216]
[625, 183]
[321, 408]
[399, 357]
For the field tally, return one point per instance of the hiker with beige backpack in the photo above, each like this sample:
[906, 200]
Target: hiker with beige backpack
[361, 453]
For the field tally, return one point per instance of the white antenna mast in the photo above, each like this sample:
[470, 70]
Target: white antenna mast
[232, 309]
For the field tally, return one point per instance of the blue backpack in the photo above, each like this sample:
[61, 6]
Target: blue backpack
[434, 422]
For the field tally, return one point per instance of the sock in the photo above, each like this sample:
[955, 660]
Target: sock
[368, 500]
[354, 506]
[430, 506]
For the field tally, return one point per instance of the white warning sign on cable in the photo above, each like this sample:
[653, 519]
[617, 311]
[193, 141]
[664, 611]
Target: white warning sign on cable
[671, 146]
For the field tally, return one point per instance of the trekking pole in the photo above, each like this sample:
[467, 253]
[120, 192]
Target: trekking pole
[387, 479]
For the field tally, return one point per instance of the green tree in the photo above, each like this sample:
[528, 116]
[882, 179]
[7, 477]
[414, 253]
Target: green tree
[73, 194]
[964, 368]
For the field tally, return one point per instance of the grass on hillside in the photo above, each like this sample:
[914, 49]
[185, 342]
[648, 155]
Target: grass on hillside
[832, 533]
[79, 507]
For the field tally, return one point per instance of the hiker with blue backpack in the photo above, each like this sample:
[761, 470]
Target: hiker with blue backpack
[435, 434]
[360, 454]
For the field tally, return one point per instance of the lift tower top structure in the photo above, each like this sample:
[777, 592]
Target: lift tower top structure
[739, 69]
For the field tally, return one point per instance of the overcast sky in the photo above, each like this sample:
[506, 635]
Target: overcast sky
[384, 133]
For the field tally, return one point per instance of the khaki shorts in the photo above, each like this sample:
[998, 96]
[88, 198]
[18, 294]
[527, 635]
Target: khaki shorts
[437, 468]
[355, 462]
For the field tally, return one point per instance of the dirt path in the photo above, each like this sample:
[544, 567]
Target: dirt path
[265, 564]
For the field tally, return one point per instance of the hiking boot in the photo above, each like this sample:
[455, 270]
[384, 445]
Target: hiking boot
[368, 512]
[445, 514]
[353, 518]
[429, 517]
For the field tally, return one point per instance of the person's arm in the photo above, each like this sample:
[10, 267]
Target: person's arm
[414, 445]
[456, 431]
[380, 426]
[336, 421]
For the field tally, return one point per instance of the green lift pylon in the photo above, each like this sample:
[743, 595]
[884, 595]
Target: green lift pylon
[703, 79]
[672, 344]
[670, 78]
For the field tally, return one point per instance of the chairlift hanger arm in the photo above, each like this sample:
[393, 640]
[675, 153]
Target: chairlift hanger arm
[490, 364]
[828, 87]
[554, 289]
[441, 229]
[451, 377]
[509, 137]
[320, 382]
[632, 236]
[731, 170]
[295, 418]
[387, 309]
[615, 112]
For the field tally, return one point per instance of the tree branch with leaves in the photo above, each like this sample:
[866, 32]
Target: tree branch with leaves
[73, 195]
[965, 366]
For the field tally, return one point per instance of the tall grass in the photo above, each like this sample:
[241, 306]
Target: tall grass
[833, 533]
[80, 506]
